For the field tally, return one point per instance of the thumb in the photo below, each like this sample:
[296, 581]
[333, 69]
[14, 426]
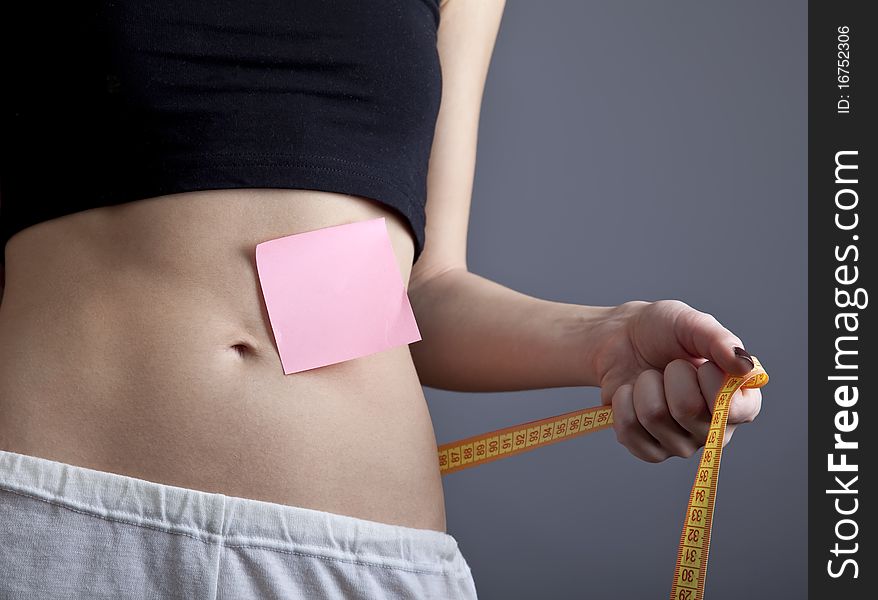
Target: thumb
[703, 336]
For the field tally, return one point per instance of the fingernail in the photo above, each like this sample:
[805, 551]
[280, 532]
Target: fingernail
[741, 353]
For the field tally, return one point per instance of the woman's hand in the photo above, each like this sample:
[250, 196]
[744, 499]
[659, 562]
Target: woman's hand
[660, 365]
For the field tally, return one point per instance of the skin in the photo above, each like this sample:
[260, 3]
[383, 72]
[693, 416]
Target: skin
[133, 339]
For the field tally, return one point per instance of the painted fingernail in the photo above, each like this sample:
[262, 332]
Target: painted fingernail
[741, 353]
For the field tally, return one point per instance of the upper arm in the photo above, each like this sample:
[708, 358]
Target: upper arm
[465, 40]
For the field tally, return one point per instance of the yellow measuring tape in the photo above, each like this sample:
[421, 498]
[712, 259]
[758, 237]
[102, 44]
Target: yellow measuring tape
[691, 569]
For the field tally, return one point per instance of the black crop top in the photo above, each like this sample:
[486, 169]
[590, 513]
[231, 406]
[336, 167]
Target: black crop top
[108, 101]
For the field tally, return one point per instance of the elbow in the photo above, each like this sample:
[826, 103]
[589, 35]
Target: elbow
[429, 273]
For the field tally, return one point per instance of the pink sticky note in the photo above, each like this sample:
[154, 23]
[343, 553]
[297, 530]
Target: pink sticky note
[334, 294]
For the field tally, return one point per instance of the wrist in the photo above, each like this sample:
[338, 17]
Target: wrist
[583, 331]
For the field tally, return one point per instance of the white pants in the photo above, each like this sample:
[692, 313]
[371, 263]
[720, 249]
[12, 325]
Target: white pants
[72, 532]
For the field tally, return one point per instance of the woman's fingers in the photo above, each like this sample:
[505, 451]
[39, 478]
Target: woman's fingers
[630, 432]
[701, 334]
[669, 414]
[746, 403]
[686, 401]
[653, 413]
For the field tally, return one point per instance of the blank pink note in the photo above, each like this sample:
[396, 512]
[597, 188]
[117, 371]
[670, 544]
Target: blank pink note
[334, 294]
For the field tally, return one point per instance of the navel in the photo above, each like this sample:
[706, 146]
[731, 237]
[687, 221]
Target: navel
[243, 350]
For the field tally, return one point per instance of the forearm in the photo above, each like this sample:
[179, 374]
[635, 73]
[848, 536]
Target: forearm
[478, 335]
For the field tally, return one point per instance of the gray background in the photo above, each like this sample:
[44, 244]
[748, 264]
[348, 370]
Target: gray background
[615, 138]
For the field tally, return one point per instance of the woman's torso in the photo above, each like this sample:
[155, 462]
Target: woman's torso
[134, 339]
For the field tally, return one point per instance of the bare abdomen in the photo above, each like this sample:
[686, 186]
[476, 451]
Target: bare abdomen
[134, 339]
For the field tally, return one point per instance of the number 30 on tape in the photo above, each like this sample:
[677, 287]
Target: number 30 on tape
[691, 569]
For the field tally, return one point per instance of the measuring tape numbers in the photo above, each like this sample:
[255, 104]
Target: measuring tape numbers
[691, 568]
